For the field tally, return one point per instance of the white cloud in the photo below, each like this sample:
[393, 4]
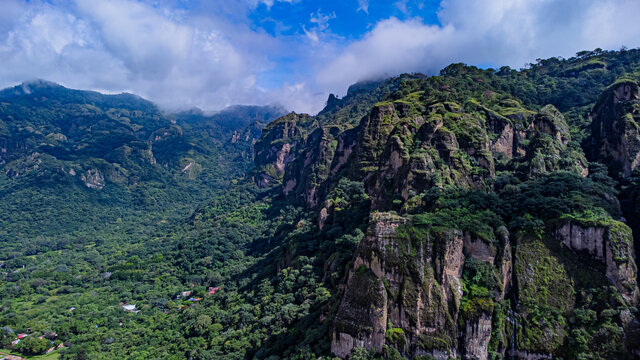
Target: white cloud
[125, 45]
[269, 3]
[485, 32]
[312, 34]
[215, 57]
[322, 20]
[363, 5]
[402, 6]
[321, 24]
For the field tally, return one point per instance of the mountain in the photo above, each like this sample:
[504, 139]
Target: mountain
[486, 232]
[80, 160]
[87, 178]
[477, 214]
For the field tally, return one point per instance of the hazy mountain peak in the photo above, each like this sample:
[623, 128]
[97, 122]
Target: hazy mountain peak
[39, 83]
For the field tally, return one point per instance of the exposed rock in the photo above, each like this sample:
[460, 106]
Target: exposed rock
[362, 316]
[479, 249]
[578, 238]
[93, 179]
[506, 262]
[57, 137]
[322, 217]
[477, 334]
[346, 144]
[449, 264]
[276, 148]
[188, 167]
[373, 134]
[192, 170]
[620, 260]
[550, 121]
[289, 186]
[445, 143]
[505, 143]
[283, 157]
[413, 283]
[30, 163]
[612, 245]
[263, 180]
[615, 138]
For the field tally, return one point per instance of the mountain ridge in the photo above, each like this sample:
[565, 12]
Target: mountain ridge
[476, 214]
[422, 137]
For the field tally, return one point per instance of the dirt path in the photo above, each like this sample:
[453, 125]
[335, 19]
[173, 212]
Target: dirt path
[11, 357]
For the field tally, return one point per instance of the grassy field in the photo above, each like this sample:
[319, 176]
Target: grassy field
[54, 355]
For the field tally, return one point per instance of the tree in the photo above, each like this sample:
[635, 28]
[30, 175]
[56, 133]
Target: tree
[360, 353]
[6, 336]
[201, 324]
[32, 345]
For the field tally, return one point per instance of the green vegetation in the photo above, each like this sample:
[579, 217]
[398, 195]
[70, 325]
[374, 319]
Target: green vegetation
[107, 202]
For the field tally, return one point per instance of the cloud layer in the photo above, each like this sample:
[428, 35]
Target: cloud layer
[212, 54]
[491, 32]
[123, 45]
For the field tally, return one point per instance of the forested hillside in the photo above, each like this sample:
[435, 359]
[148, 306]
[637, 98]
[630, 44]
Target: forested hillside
[477, 214]
[87, 178]
[76, 160]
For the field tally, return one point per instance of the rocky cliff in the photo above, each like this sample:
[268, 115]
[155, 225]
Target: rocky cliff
[611, 244]
[405, 288]
[477, 245]
[615, 140]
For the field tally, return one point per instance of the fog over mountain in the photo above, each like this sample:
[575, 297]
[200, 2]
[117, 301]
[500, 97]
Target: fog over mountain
[182, 54]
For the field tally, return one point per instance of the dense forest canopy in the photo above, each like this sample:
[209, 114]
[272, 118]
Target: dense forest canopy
[491, 206]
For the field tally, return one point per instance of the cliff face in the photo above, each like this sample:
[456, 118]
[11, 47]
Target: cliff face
[404, 290]
[414, 284]
[615, 140]
[447, 276]
[277, 147]
[613, 246]
[402, 148]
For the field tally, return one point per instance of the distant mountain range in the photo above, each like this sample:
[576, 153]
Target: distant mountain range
[72, 159]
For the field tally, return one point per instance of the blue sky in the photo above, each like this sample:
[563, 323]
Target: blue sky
[349, 19]
[215, 53]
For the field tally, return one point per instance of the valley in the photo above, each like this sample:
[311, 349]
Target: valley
[475, 214]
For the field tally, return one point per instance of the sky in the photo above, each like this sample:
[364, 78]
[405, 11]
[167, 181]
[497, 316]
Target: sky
[212, 54]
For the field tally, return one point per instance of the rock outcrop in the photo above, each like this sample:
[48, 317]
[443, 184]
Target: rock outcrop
[361, 320]
[611, 244]
[93, 179]
[459, 287]
[551, 122]
[276, 148]
[615, 138]
[477, 333]
[408, 281]
[404, 290]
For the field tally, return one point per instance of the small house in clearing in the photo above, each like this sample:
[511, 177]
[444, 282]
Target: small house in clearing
[130, 308]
